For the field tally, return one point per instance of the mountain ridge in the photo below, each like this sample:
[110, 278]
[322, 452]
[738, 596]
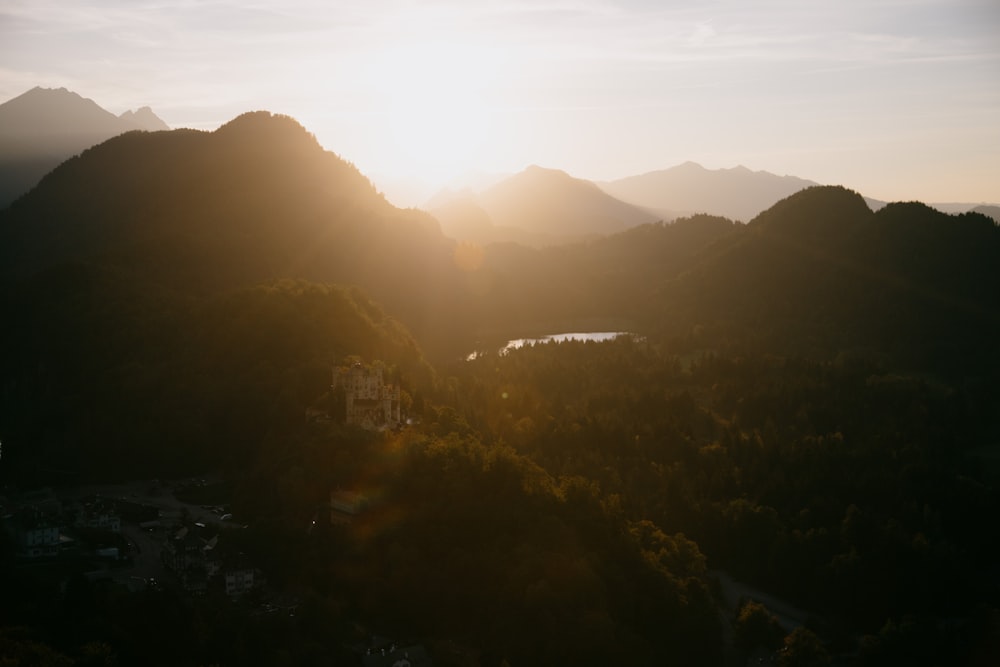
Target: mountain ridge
[258, 199]
[737, 193]
[537, 207]
[42, 127]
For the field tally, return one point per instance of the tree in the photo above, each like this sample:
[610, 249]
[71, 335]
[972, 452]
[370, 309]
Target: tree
[803, 649]
[757, 626]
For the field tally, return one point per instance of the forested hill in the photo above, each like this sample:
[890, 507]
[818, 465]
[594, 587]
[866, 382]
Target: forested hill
[258, 199]
[106, 378]
[819, 273]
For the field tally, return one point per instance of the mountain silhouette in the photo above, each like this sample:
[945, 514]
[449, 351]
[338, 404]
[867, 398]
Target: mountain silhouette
[144, 119]
[737, 193]
[536, 207]
[990, 210]
[42, 127]
[818, 273]
[820, 270]
[256, 200]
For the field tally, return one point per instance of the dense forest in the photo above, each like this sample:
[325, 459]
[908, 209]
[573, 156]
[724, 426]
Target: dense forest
[807, 403]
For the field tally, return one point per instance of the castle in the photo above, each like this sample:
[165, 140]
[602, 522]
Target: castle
[370, 403]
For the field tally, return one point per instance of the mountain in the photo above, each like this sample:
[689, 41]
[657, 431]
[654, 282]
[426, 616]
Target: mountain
[181, 283]
[204, 212]
[737, 193]
[144, 119]
[536, 207]
[820, 273]
[42, 127]
[817, 274]
[989, 210]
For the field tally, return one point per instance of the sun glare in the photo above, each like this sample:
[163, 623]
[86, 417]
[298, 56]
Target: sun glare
[434, 98]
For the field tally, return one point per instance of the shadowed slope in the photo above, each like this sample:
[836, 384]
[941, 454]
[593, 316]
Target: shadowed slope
[258, 199]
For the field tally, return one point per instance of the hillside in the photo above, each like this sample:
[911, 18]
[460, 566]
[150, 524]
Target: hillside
[606, 282]
[258, 199]
[737, 193]
[991, 211]
[42, 127]
[536, 207]
[114, 378]
[819, 272]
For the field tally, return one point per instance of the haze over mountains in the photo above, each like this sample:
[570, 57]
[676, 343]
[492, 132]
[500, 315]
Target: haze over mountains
[737, 193]
[44, 126]
[262, 200]
[255, 200]
[536, 207]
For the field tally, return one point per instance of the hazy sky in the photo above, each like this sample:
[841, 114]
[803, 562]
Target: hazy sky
[898, 99]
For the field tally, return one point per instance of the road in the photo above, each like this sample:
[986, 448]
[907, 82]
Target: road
[146, 561]
[789, 616]
[146, 545]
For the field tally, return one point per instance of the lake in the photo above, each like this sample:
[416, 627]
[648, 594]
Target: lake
[595, 336]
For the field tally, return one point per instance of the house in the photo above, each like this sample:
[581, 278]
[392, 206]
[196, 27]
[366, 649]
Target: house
[99, 515]
[192, 557]
[369, 402]
[193, 554]
[240, 579]
[36, 533]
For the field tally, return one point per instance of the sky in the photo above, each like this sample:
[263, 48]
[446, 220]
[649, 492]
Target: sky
[897, 99]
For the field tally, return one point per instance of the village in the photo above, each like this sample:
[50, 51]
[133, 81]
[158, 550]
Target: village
[180, 534]
[131, 532]
[135, 534]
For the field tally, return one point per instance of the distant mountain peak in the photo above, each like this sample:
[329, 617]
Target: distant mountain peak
[43, 111]
[737, 193]
[44, 126]
[537, 206]
[144, 119]
[538, 170]
[59, 111]
[688, 165]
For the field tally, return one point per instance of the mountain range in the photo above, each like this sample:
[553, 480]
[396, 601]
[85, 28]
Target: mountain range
[43, 127]
[737, 193]
[537, 207]
[259, 200]
[203, 212]
[543, 207]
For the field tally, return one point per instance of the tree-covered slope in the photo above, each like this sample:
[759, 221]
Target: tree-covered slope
[258, 199]
[104, 377]
[819, 273]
